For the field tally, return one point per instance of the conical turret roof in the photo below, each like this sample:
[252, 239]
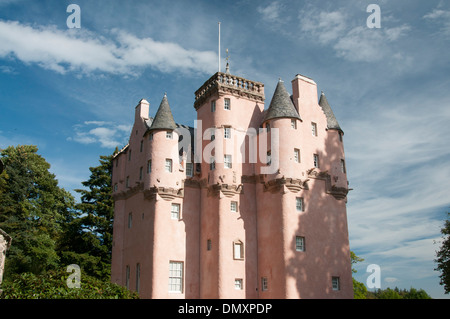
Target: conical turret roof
[281, 105]
[332, 123]
[163, 119]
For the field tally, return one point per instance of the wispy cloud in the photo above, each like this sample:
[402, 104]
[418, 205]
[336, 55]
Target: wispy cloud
[107, 134]
[82, 51]
[442, 18]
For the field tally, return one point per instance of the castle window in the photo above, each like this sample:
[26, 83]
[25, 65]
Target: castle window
[138, 277]
[129, 155]
[264, 283]
[127, 182]
[227, 161]
[149, 166]
[299, 204]
[335, 283]
[234, 206]
[127, 277]
[168, 165]
[294, 124]
[175, 276]
[175, 211]
[238, 284]
[296, 155]
[269, 158]
[340, 136]
[213, 106]
[227, 132]
[343, 166]
[238, 249]
[299, 243]
[208, 244]
[267, 127]
[141, 147]
[314, 128]
[212, 163]
[115, 187]
[189, 169]
[169, 135]
[227, 104]
[130, 220]
[316, 160]
[141, 169]
[151, 137]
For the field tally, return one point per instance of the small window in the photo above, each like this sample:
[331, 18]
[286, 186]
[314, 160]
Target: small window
[213, 106]
[129, 155]
[151, 137]
[234, 207]
[335, 282]
[169, 135]
[168, 165]
[299, 243]
[340, 136]
[175, 211]
[296, 155]
[267, 127]
[138, 277]
[130, 220]
[299, 204]
[141, 169]
[269, 158]
[294, 124]
[227, 104]
[227, 161]
[227, 132]
[343, 166]
[175, 276]
[127, 277]
[189, 169]
[238, 250]
[264, 285]
[115, 187]
[208, 244]
[212, 163]
[127, 182]
[314, 128]
[238, 284]
[316, 160]
[141, 147]
[149, 166]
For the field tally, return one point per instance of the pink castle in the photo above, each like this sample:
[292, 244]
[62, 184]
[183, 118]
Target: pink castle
[251, 203]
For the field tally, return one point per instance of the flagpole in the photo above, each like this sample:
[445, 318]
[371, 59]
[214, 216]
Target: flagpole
[219, 46]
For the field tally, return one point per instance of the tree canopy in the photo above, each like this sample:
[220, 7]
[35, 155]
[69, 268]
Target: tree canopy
[443, 256]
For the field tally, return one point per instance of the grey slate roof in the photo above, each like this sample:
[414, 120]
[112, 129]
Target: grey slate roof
[281, 105]
[332, 123]
[163, 119]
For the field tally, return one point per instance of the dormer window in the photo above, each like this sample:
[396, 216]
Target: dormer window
[169, 135]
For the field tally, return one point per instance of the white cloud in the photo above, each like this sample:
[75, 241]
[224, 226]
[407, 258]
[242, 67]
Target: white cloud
[82, 51]
[107, 134]
[271, 13]
[441, 17]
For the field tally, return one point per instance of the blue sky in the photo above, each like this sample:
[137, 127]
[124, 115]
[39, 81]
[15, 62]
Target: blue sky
[72, 92]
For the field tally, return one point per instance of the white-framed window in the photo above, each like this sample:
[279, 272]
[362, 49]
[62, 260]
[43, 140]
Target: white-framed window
[168, 165]
[234, 206]
[316, 160]
[227, 104]
[314, 128]
[294, 124]
[213, 106]
[296, 155]
[238, 284]
[149, 166]
[141, 170]
[299, 204]
[227, 161]
[127, 277]
[335, 283]
[176, 276]
[212, 163]
[343, 166]
[130, 220]
[169, 135]
[299, 243]
[238, 249]
[138, 277]
[189, 169]
[264, 284]
[175, 211]
[227, 132]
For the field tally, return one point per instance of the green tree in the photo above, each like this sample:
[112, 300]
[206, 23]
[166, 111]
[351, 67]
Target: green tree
[443, 256]
[359, 289]
[32, 210]
[87, 237]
